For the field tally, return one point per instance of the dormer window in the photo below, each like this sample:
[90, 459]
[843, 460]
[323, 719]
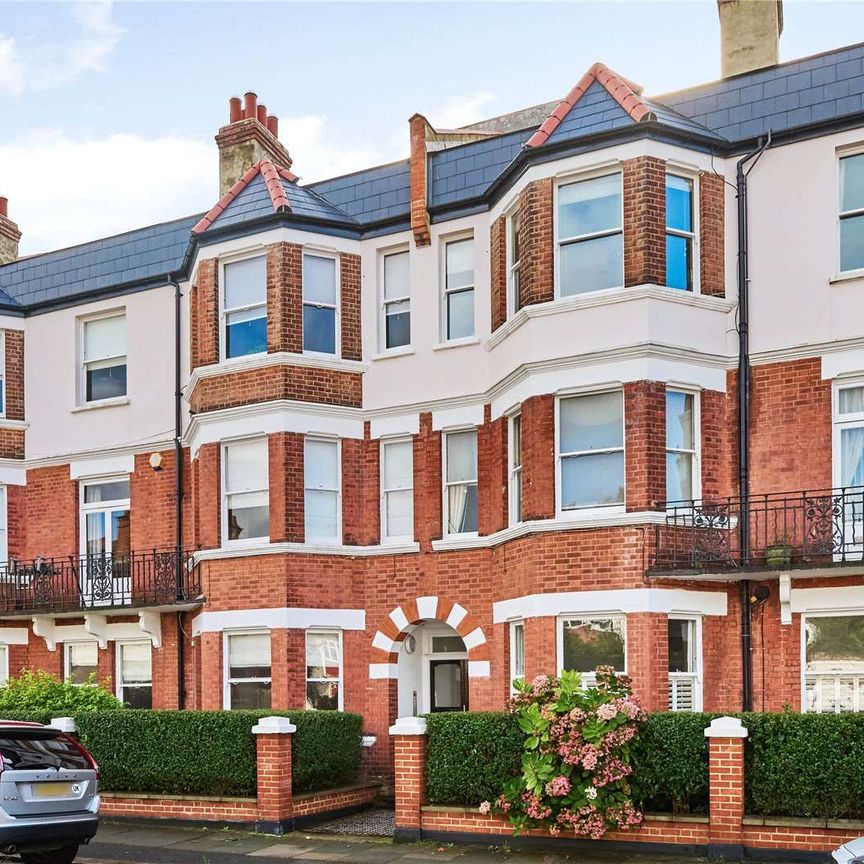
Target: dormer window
[245, 307]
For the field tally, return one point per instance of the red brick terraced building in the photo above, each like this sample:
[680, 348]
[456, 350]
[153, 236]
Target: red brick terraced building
[521, 402]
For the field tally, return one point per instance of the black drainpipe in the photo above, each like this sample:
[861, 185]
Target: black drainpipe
[744, 413]
[178, 492]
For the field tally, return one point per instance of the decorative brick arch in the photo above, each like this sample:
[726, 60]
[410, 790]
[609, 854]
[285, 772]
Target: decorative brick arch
[394, 628]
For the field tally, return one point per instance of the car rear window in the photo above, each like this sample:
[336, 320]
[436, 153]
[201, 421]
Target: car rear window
[34, 749]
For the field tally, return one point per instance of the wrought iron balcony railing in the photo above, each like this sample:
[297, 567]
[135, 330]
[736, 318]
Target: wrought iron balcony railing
[786, 530]
[98, 582]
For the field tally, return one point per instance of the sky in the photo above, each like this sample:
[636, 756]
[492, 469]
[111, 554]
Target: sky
[108, 111]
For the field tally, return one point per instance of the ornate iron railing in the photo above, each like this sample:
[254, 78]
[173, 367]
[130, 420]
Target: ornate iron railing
[94, 582]
[786, 530]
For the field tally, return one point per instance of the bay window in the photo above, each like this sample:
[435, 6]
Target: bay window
[586, 643]
[460, 483]
[397, 490]
[321, 484]
[245, 307]
[320, 303]
[679, 232]
[248, 671]
[590, 235]
[103, 358]
[245, 490]
[683, 648]
[324, 670]
[834, 663]
[852, 212]
[591, 450]
[459, 288]
[397, 301]
[135, 674]
[682, 469]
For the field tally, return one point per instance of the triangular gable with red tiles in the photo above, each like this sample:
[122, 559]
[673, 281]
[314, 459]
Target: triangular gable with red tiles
[625, 94]
[272, 176]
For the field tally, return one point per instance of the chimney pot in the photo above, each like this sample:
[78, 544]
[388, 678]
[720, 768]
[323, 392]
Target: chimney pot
[273, 125]
[4, 206]
[262, 115]
[251, 106]
[235, 110]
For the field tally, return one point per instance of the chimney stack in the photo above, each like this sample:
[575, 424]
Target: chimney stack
[251, 135]
[749, 35]
[9, 235]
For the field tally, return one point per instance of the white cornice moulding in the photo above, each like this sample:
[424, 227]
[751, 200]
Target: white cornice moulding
[102, 466]
[13, 424]
[624, 600]
[284, 618]
[160, 444]
[306, 549]
[96, 628]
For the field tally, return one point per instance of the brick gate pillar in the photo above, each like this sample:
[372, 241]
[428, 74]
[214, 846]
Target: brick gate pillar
[275, 798]
[726, 787]
[409, 755]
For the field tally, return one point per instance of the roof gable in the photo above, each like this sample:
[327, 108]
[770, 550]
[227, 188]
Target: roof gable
[595, 111]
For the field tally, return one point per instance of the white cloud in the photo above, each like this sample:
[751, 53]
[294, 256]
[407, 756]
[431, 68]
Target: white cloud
[40, 65]
[461, 110]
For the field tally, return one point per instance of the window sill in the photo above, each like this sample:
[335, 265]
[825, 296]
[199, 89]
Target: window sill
[230, 550]
[102, 403]
[848, 276]
[405, 351]
[457, 343]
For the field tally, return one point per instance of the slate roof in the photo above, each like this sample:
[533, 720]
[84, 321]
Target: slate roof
[373, 195]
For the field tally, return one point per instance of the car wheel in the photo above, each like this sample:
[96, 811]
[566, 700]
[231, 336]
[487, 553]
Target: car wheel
[64, 855]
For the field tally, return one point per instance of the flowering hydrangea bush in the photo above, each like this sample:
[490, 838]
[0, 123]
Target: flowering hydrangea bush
[576, 759]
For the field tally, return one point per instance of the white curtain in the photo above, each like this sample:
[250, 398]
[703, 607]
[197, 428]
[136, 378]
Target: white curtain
[852, 449]
[457, 497]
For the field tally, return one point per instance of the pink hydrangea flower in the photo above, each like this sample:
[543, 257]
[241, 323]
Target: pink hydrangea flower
[558, 787]
[607, 711]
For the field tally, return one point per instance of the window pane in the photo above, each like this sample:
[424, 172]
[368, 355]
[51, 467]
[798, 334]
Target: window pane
[138, 696]
[678, 265]
[322, 695]
[248, 516]
[246, 465]
[679, 476]
[246, 282]
[94, 528]
[249, 655]
[321, 515]
[461, 456]
[246, 332]
[589, 644]
[593, 422]
[518, 649]
[852, 243]
[323, 656]
[104, 338]
[679, 203]
[320, 461]
[83, 661]
[460, 314]
[514, 238]
[835, 643]
[592, 480]
[516, 442]
[396, 276]
[113, 490]
[319, 329]
[679, 420]
[680, 645]
[460, 263]
[250, 695]
[399, 512]
[592, 265]
[462, 509]
[852, 182]
[398, 324]
[319, 279]
[447, 644]
[398, 465]
[852, 457]
[851, 400]
[135, 663]
[589, 206]
[105, 382]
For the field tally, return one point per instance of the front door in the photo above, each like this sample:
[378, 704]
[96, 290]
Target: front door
[449, 683]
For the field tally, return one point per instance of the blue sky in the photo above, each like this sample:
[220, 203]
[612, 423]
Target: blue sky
[109, 110]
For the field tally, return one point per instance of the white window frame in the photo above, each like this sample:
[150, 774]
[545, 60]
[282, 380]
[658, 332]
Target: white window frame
[445, 292]
[692, 236]
[337, 318]
[445, 484]
[341, 679]
[845, 214]
[510, 228]
[696, 491]
[383, 302]
[107, 507]
[4, 662]
[842, 421]
[696, 674]
[385, 537]
[514, 472]
[337, 539]
[591, 509]
[3, 405]
[118, 665]
[227, 680]
[588, 678]
[568, 180]
[223, 492]
[67, 658]
[834, 613]
[514, 625]
[83, 363]
[225, 310]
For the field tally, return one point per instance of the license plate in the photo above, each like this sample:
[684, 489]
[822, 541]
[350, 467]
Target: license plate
[51, 790]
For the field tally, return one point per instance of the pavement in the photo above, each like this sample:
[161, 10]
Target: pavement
[149, 844]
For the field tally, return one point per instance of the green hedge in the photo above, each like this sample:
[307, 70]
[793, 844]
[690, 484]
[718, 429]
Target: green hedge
[211, 752]
[470, 755]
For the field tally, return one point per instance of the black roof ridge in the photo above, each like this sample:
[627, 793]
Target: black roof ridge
[741, 75]
[35, 255]
[354, 173]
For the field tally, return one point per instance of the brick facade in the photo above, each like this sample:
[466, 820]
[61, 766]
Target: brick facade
[498, 271]
[644, 189]
[536, 243]
[712, 192]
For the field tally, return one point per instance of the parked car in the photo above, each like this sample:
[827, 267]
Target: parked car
[849, 852]
[49, 797]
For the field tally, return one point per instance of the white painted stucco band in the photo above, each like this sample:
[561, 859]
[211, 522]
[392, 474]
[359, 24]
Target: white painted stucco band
[120, 464]
[832, 599]
[837, 363]
[451, 418]
[13, 476]
[14, 635]
[279, 619]
[403, 424]
[664, 600]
